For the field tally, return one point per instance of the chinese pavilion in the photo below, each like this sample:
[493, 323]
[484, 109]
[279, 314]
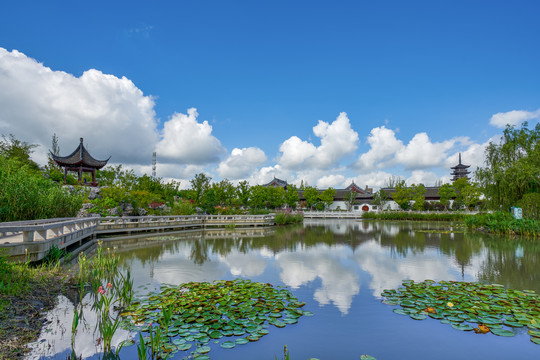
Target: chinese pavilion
[460, 170]
[80, 161]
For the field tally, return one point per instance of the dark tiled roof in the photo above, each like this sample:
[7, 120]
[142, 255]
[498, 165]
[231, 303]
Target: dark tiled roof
[277, 182]
[79, 157]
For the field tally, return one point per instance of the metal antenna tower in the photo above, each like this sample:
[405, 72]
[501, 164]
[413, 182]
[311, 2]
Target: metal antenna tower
[154, 164]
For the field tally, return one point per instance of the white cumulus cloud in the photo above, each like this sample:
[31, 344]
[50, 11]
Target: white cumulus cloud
[186, 141]
[112, 114]
[241, 163]
[513, 117]
[337, 140]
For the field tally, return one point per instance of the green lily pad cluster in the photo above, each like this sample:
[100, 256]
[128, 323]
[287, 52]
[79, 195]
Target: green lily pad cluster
[464, 305]
[196, 313]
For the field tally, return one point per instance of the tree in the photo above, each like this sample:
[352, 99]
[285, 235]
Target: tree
[402, 195]
[275, 197]
[327, 196]
[418, 193]
[225, 192]
[350, 198]
[200, 184]
[311, 195]
[291, 196]
[380, 198]
[14, 149]
[258, 196]
[392, 181]
[243, 192]
[467, 194]
[446, 193]
[512, 167]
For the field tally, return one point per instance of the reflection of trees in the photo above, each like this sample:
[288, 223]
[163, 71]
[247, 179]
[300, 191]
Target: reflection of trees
[512, 263]
[462, 247]
[508, 262]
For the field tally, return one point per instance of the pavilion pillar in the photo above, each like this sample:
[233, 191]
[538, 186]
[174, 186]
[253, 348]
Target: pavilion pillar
[94, 177]
[80, 173]
[65, 174]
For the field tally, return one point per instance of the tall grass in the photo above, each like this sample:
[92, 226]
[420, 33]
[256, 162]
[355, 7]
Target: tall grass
[504, 223]
[287, 217]
[26, 195]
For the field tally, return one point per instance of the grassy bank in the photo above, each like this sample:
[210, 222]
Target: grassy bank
[25, 292]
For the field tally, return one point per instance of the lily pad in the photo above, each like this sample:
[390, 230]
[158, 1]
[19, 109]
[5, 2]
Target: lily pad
[228, 344]
[184, 346]
[502, 332]
[241, 341]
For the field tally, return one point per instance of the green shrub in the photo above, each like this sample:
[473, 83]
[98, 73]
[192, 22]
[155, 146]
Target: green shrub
[26, 195]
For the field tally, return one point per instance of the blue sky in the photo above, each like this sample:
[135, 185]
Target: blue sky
[419, 82]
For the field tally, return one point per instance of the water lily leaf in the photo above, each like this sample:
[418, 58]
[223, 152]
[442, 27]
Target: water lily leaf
[228, 344]
[184, 346]
[502, 332]
[534, 333]
[215, 334]
[535, 340]
[241, 341]
[463, 327]
[201, 357]
[418, 316]
[179, 341]
[203, 349]
[400, 311]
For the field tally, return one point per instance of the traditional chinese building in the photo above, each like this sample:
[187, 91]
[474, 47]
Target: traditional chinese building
[277, 183]
[460, 171]
[80, 161]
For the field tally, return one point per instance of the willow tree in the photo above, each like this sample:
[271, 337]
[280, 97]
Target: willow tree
[512, 167]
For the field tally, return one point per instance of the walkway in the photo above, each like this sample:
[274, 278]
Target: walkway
[32, 240]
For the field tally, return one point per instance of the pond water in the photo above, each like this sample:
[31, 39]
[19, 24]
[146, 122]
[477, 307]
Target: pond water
[339, 268]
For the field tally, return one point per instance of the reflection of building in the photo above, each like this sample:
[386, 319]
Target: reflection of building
[80, 161]
[460, 170]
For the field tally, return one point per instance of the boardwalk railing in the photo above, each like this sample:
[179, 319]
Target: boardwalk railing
[32, 240]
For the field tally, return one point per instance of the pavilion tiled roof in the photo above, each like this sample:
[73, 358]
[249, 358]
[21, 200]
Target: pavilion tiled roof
[79, 157]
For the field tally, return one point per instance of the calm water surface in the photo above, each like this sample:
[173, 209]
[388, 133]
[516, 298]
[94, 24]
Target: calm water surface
[339, 268]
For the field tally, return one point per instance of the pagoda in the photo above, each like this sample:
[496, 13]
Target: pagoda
[460, 171]
[80, 161]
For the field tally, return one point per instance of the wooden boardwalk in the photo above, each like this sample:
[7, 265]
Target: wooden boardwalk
[32, 240]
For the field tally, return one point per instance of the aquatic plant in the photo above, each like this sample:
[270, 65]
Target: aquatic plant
[197, 312]
[492, 308]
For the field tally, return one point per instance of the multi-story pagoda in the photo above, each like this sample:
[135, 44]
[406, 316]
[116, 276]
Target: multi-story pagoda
[80, 161]
[460, 171]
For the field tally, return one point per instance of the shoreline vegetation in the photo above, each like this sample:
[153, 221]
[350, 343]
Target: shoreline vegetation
[499, 223]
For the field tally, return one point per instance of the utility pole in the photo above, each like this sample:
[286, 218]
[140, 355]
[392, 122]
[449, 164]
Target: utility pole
[154, 164]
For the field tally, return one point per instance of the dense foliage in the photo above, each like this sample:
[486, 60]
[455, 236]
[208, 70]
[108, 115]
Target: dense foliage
[512, 168]
[26, 194]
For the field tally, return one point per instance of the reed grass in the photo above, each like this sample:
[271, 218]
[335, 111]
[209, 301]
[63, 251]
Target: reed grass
[287, 217]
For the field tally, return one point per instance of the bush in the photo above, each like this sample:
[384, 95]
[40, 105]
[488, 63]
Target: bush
[26, 195]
